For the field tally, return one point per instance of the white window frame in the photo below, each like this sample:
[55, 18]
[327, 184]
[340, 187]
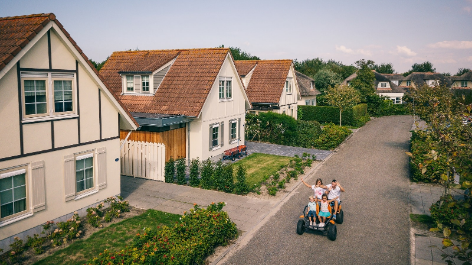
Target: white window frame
[398, 100]
[93, 188]
[408, 83]
[217, 127]
[464, 83]
[127, 78]
[288, 86]
[313, 102]
[235, 138]
[145, 83]
[225, 88]
[25, 213]
[307, 102]
[49, 79]
[383, 84]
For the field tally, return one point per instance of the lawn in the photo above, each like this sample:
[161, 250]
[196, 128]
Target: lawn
[114, 238]
[259, 165]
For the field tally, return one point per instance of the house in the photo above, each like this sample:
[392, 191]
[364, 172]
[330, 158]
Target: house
[383, 87]
[308, 92]
[271, 85]
[417, 79]
[59, 133]
[191, 100]
[394, 78]
[462, 82]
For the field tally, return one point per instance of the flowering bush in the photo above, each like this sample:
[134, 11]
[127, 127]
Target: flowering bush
[189, 241]
[65, 231]
[94, 215]
[36, 242]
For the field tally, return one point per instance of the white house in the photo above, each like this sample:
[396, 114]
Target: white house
[59, 132]
[271, 85]
[192, 100]
[308, 91]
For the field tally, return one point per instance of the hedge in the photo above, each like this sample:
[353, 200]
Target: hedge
[356, 116]
[189, 241]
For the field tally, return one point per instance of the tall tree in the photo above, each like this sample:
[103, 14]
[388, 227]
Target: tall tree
[421, 67]
[343, 97]
[239, 54]
[365, 79]
[326, 78]
[384, 68]
[310, 67]
[98, 65]
[462, 71]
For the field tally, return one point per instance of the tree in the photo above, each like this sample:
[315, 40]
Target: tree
[326, 78]
[384, 68]
[462, 71]
[239, 54]
[310, 67]
[423, 68]
[98, 65]
[365, 79]
[343, 97]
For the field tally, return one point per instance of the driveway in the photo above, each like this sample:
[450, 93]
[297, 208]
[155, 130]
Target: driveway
[373, 168]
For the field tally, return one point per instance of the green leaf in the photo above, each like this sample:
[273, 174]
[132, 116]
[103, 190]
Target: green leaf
[409, 154]
[456, 186]
[464, 245]
[447, 242]
[456, 222]
[451, 204]
[434, 229]
[423, 170]
[466, 205]
[456, 248]
[444, 177]
[446, 232]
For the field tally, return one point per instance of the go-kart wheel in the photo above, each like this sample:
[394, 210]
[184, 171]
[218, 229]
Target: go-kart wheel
[300, 227]
[332, 232]
[340, 217]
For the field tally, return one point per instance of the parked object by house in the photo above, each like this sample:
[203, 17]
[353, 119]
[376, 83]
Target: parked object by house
[59, 133]
[271, 85]
[308, 91]
[462, 82]
[383, 87]
[191, 100]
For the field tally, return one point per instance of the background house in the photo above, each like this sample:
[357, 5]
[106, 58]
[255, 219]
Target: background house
[308, 91]
[462, 82]
[192, 100]
[59, 132]
[417, 79]
[271, 85]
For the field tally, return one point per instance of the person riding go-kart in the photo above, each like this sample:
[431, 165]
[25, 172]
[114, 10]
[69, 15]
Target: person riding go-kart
[323, 223]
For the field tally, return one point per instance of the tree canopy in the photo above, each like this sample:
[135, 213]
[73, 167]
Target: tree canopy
[462, 71]
[310, 67]
[239, 54]
[98, 65]
[421, 67]
[325, 78]
[365, 79]
[343, 97]
[384, 68]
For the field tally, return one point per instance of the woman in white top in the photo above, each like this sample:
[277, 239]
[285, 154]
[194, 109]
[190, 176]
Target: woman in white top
[319, 189]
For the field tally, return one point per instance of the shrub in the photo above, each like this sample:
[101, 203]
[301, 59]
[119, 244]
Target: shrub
[307, 133]
[64, 231]
[241, 186]
[271, 127]
[448, 209]
[206, 175]
[272, 190]
[421, 146]
[332, 136]
[194, 173]
[17, 247]
[169, 171]
[355, 116]
[180, 168]
[281, 184]
[94, 215]
[189, 241]
[292, 174]
[228, 178]
[36, 243]
[217, 176]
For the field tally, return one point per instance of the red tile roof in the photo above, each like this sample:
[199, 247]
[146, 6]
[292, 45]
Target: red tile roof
[17, 32]
[268, 79]
[244, 66]
[185, 87]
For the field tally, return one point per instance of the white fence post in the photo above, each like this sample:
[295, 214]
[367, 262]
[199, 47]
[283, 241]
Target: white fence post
[143, 160]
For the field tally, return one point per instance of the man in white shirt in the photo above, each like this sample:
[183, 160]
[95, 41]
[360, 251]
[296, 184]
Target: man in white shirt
[334, 190]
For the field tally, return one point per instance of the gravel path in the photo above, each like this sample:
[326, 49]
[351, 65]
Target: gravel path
[373, 168]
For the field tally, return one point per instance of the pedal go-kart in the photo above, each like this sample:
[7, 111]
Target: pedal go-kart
[328, 229]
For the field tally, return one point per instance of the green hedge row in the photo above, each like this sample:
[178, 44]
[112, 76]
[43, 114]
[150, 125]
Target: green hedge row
[356, 116]
[189, 241]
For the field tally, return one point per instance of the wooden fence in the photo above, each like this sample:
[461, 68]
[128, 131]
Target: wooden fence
[143, 160]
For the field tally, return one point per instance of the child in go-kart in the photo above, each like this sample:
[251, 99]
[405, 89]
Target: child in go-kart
[311, 210]
[319, 189]
[324, 211]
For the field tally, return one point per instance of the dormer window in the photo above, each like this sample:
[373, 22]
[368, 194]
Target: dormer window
[288, 86]
[145, 83]
[408, 83]
[383, 84]
[312, 85]
[129, 83]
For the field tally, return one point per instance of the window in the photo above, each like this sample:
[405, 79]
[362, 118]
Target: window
[145, 83]
[398, 100]
[312, 85]
[307, 102]
[233, 130]
[408, 83]
[225, 90]
[313, 102]
[62, 95]
[84, 172]
[47, 94]
[288, 86]
[463, 83]
[129, 83]
[214, 136]
[383, 84]
[35, 97]
[13, 193]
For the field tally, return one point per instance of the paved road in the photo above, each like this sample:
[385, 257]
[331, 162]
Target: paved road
[373, 168]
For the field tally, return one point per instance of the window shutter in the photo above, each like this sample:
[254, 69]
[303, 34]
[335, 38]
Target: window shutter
[222, 134]
[39, 194]
[137, 84]
[69, 177]
[229, 131]
[239, 129]
[102, 167]
[211, 137]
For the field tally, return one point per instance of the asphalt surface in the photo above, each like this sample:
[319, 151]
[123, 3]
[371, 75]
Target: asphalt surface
[373, 168]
